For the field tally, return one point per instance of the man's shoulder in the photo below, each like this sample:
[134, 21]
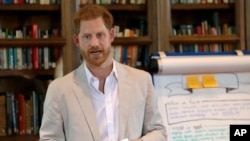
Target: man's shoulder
[134, 71]
[63, 80]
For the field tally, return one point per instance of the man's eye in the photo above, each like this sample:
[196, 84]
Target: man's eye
[101, 35]
[86, 37]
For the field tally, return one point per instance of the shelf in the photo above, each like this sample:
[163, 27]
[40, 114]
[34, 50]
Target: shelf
[49, 72]
[20, 138]
[201, 6]
[29, 42]
[124, 7]
[29, 7]
[203, 39]
[145, 40]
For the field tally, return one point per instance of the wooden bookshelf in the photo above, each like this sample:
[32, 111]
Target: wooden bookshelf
[29, 7]
[125, 7]
[207, 6]
[30, 73]
[247, 13]
[173, 15]
[204, 39]
[45, 16]
[50, 42]
[144, 40]
[14, 16]
[20, 138]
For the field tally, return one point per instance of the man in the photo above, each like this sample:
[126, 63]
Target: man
[102, 100]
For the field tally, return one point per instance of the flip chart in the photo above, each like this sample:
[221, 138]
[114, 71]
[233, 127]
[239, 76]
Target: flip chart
[193, 111]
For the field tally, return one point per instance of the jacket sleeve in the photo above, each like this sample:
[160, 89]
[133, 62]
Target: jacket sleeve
[153, 128]
[52, 124]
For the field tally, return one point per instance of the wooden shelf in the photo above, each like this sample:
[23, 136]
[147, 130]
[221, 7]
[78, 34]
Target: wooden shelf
[49, 72]
[20, 138]
[29, 7]
[124, 7]
[203, 39]
[201, 6]
[145, 40]
[59, 42]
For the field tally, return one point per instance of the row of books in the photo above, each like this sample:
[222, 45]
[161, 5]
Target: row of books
[136, 28]
[127, 32]
[30, 2]
[204, 29]
[18, 58]
[199, 48]
[32, 31]
[132, 55]
[201, 1]
[20, 113]
[113, 1]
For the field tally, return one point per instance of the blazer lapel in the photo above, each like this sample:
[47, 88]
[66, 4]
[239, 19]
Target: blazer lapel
[124, 95]
[82, 93]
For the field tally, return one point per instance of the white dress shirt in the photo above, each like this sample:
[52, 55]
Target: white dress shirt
[105, 104]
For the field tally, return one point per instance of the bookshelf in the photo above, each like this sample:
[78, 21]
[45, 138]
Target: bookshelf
[46, 17]
[201, 27]
[133, 16]
[42, 15]
[247, 12]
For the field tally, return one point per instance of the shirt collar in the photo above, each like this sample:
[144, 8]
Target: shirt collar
[91, 76]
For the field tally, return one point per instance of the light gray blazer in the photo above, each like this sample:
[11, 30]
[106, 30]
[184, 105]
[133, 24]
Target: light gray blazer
[69, 114]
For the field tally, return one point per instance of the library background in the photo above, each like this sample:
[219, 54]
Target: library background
[36, 44]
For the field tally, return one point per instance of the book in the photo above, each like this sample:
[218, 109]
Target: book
[9, 122]
[19, 2]
[34, 31]
[10, 58]
[1, 58]
[46, 58]
[5, 58]
[28, 116]
[35, 58]
[7, 1]
[14, 113]
[117, 52]
[21, 113]
[19, 58]
[84, 1]
[35, 112]
[3, 114]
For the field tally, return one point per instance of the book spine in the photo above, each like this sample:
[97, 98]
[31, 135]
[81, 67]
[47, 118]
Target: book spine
[18, 2]
[3, 113]
[15, 57]
[9, 115]
[19, 58]
[7, 1]
[10, 58]
[5, 58]
[21, 114]
[14, 114]
[35, 113]
[1, 58]
[46, 58]
[35, 58]
[29, 58]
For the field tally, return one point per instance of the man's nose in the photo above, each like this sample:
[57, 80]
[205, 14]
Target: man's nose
[94, 41]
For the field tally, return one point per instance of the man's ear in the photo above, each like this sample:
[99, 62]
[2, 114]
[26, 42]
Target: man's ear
[76, 39]
[112, 34]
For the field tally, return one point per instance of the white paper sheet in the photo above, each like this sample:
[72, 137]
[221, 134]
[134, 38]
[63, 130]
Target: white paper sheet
[203, 114]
